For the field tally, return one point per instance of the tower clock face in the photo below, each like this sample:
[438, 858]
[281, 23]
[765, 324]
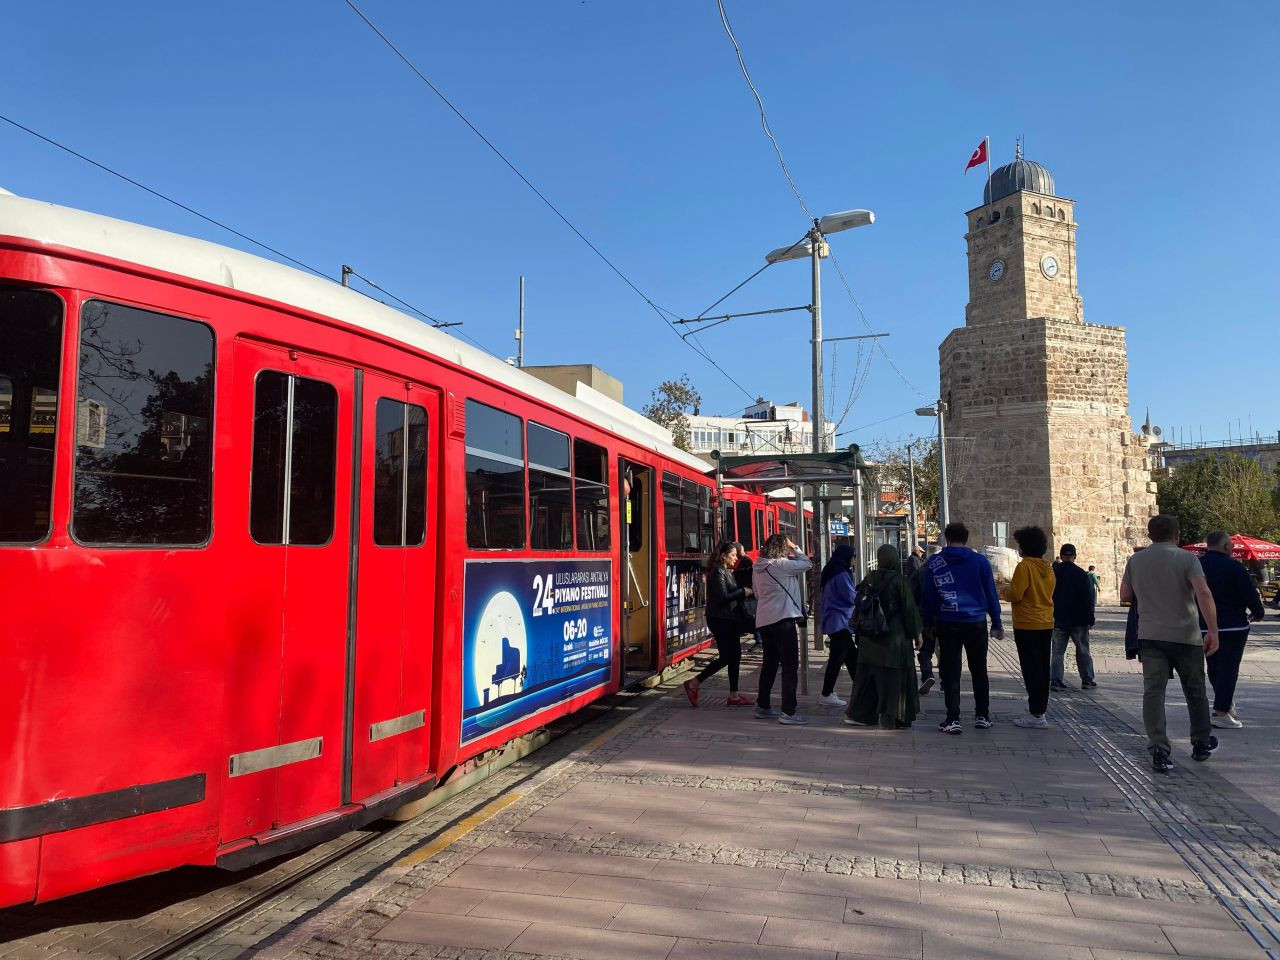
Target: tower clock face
[995, 271]
[1049, 266]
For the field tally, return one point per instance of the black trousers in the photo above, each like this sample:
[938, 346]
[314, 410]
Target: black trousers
[1034, 648]
[971, 639]
[781, 648]
[1224, 667]
[728, 650]
[844, 653]
[925, 656]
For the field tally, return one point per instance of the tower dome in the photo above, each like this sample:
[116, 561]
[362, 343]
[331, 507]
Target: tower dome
[1019, 175]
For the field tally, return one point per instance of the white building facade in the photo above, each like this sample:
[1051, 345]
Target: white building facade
[763, 428]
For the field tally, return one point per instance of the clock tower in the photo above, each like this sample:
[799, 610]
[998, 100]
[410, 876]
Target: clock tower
[1037, 400]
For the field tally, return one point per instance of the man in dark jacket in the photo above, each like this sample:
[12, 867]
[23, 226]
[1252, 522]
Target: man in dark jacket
[1073, 613]
[958, 593]
[1238, 603]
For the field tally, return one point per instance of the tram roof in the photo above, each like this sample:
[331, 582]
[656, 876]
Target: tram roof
[212, 263]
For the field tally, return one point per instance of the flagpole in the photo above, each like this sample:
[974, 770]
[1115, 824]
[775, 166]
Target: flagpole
[987, 141]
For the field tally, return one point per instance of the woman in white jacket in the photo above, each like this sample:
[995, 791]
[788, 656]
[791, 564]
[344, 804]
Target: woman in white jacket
[779, 607]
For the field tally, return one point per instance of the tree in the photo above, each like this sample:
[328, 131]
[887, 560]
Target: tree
[893, 471]
[1221, 492]
[667, 407]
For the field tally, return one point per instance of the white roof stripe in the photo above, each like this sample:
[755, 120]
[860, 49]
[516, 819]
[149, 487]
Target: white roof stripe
[224, 266]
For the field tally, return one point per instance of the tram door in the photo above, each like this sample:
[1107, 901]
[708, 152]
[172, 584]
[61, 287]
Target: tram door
[290, 493]
[390, 660]
[639, 644]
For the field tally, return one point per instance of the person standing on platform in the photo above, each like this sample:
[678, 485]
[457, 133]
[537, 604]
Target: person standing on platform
[724, 598]
[1073, 616]
[1030, 594]
[779, 608]
[924, 656]
[742, 574]
[838, 592]
[884, 690]
[1236, 599]
[959, 594]
[1093, 581]
[1167, 583]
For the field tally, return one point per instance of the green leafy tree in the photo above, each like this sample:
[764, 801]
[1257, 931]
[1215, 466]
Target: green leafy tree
[669, 405]
[1221, 492]
[894, 472]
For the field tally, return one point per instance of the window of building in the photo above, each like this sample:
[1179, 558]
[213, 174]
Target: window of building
[495, 478]
[144, 447]
[295, 457]
[550, 489]
[745, 536]
[591, 495]
[30, 371]
[399, 474]
[1000, 533]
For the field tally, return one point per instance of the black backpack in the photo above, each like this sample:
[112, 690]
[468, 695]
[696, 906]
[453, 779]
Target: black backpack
[869, 619]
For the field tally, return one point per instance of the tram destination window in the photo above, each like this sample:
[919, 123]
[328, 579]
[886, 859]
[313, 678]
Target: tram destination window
[144, 443]
[399, 474]
[495, 478]
[30, 370]
[295, 446]
[550, 489]
[591, 495]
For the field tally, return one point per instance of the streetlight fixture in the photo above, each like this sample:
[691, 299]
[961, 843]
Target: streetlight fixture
[814, 246]
[937, 410]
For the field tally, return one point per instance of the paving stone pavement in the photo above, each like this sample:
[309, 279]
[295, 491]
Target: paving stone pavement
[706, 833]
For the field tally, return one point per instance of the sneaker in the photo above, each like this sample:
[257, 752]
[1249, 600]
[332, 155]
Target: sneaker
[793, 719]
[854, 723]
[1088, 685]
[832, 700]
[951, 726]
[1032, 722]
[1058, 685]
[739, 702]
[1160, 762]
[1226, 721]
[982, 723]
[1204, 749]
[767, 713]
[691, 692]
[927, 685]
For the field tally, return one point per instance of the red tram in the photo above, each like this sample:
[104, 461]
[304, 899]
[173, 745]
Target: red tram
[277, 558]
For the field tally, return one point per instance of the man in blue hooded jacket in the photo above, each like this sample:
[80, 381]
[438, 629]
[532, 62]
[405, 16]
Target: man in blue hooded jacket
[958, 593]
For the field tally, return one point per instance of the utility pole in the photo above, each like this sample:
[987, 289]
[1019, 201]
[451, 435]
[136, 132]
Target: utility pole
[817, 244]
[520, 329]
[912, 541]
[944, 511]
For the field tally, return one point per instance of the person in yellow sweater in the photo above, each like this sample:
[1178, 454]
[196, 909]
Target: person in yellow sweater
[1031, 596]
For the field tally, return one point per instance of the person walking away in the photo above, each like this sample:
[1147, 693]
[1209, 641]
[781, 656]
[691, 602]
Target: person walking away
[838, 592]
[959, 594]
[1093, 581]
[1030, 594]
[924, 655]
[884, 689]
[1073, 615]
[778, 610]
[724, 599]
[1167, 583]
[1238, 603]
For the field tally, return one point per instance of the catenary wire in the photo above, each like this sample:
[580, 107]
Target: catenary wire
[663, 314]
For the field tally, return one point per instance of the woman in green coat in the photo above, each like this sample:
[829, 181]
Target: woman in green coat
[884, 688]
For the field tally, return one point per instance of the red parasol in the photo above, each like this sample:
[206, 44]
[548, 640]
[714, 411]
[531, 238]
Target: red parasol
[1244, 548]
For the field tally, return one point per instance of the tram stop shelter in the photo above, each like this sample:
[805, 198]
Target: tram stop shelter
[818, 479]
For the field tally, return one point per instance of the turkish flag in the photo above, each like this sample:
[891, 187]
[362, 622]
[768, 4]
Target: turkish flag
[979, 155]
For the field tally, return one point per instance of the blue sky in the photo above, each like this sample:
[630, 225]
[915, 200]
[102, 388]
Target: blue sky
[292, 122]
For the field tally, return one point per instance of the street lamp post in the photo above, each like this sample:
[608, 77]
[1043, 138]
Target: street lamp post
[912, 540]
[939, 410]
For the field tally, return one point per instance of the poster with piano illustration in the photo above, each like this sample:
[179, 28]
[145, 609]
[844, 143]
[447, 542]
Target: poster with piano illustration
[534, 633]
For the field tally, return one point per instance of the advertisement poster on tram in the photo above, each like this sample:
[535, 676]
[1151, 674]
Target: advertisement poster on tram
[686, 605]
[534, 633]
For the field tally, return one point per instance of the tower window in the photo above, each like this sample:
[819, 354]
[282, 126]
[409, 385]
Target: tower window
[1008, 211]
[1062, 215]
[995, 215]
[1036, 208]
[1048, 210]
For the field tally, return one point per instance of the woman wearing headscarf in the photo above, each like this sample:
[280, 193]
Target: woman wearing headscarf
[838, 593]
[779, 599]
[884, 688]
[723, 599]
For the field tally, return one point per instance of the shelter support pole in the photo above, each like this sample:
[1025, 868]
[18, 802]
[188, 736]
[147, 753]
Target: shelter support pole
[859, 513]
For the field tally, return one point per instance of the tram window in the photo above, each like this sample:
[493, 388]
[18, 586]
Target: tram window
[399, 468]
[744, 525]
[591, 495]
[671, 512]
[760, 527]
[143, 440]
[495, 478]
[550, 489]
[691, 521]
[304, 437]
[30, 367]
[727, 531]
[707, 515]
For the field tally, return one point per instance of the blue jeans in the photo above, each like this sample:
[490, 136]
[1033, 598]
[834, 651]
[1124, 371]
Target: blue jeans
[1224, 667]
[1084, 662]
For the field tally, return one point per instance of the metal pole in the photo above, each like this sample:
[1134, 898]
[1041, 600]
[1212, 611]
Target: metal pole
[804, 589]
[912, 541]
[944, 511]
[346, 275]
[520, 330]
[860, 516]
